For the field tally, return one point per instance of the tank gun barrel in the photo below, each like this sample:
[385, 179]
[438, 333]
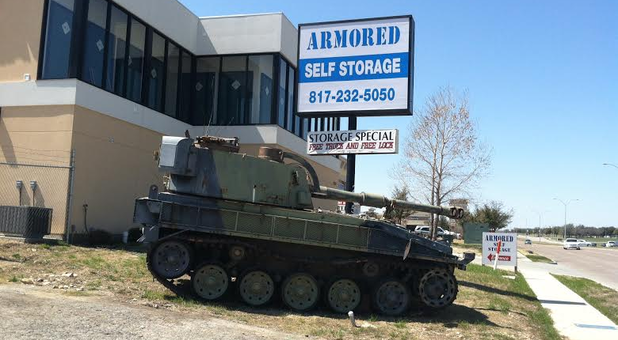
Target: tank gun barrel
[380, 201]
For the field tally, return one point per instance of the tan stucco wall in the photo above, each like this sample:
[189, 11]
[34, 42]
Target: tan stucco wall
[114, 164]
[20, 36]
[30, 137]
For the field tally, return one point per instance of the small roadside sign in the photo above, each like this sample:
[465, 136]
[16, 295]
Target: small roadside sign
[501, 247]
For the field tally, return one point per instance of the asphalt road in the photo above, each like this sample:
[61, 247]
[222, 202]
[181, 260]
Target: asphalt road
[597, 264]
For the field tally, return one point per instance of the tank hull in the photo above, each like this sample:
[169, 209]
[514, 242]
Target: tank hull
[284, 242]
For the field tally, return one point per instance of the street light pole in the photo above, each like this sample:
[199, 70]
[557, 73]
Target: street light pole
[565, 210]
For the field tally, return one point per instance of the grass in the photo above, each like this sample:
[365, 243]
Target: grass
[604, 299]
[476, 247]
[510, 298]
[488, 306]
[539, 258]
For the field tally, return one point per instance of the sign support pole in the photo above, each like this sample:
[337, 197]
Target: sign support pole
[351, 168]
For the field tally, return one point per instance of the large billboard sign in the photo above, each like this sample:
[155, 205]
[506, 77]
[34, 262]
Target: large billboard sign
[356, 67]
[352, 142]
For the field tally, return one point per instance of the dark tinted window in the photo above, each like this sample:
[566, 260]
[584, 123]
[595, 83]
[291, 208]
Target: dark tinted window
[184, 99]
[206, 78]
[306, 123]
[261, 92]
[156, 72]
[293, 121]
[58, 39]
[116, 47]
[233, 91]
[171, 79]
[281, 119]
[135, 62]
[94, 42]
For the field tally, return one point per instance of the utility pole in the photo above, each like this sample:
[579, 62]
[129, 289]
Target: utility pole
[540, 219]
[565, 211]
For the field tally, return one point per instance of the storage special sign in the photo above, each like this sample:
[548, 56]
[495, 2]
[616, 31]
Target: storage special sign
[363, 67]
[352, 142]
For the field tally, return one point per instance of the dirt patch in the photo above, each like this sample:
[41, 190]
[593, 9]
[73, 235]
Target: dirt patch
[31, 312]
[489, 306]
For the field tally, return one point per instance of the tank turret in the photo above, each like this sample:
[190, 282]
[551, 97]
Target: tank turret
[212, 167]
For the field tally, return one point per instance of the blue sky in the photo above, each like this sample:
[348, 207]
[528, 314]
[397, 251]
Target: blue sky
[542, 77]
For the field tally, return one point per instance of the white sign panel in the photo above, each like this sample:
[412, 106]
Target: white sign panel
[352, 142]
[508, 248]
[362, 67]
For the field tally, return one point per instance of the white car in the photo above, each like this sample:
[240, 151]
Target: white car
[584, 243]
[610, 244]
[571, 243]
[425, 230]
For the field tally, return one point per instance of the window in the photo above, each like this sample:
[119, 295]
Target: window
[156, 72]
[116, 48]
[106, 46]
[206, 78]
[184, 99]
[58, 34]
[171, 79]
[305, 128]
[293, 121]
[135, 61]
[261, 92]
[232, 92]
[281, 118]
[94, 43]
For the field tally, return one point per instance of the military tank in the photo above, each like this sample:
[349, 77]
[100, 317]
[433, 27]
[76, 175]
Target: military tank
[246, 226]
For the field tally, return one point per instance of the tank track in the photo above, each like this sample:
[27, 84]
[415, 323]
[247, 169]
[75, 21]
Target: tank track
[281, 264]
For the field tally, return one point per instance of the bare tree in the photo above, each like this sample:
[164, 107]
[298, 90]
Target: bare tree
[442, 155]
[396, 215]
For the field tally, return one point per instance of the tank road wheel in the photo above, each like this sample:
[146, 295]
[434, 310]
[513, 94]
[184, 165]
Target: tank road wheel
[392, 297]
[300, 292]
[256, 288]
[343, 296]
[171, 259]
[210, 281]
[437, 288]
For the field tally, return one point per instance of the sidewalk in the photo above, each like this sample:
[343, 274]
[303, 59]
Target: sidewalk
[573, 317]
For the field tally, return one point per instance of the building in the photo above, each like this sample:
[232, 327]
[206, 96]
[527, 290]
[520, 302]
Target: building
[88, 87]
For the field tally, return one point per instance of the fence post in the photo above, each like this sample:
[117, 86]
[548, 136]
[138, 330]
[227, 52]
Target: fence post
[67, 227]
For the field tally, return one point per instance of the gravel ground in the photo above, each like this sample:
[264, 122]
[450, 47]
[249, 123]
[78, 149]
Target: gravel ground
[30, 312]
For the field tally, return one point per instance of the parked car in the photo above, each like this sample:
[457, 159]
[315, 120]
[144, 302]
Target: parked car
[610, 244]
[426, 230]
[571, 243]
[584, 243]
[527, 241]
